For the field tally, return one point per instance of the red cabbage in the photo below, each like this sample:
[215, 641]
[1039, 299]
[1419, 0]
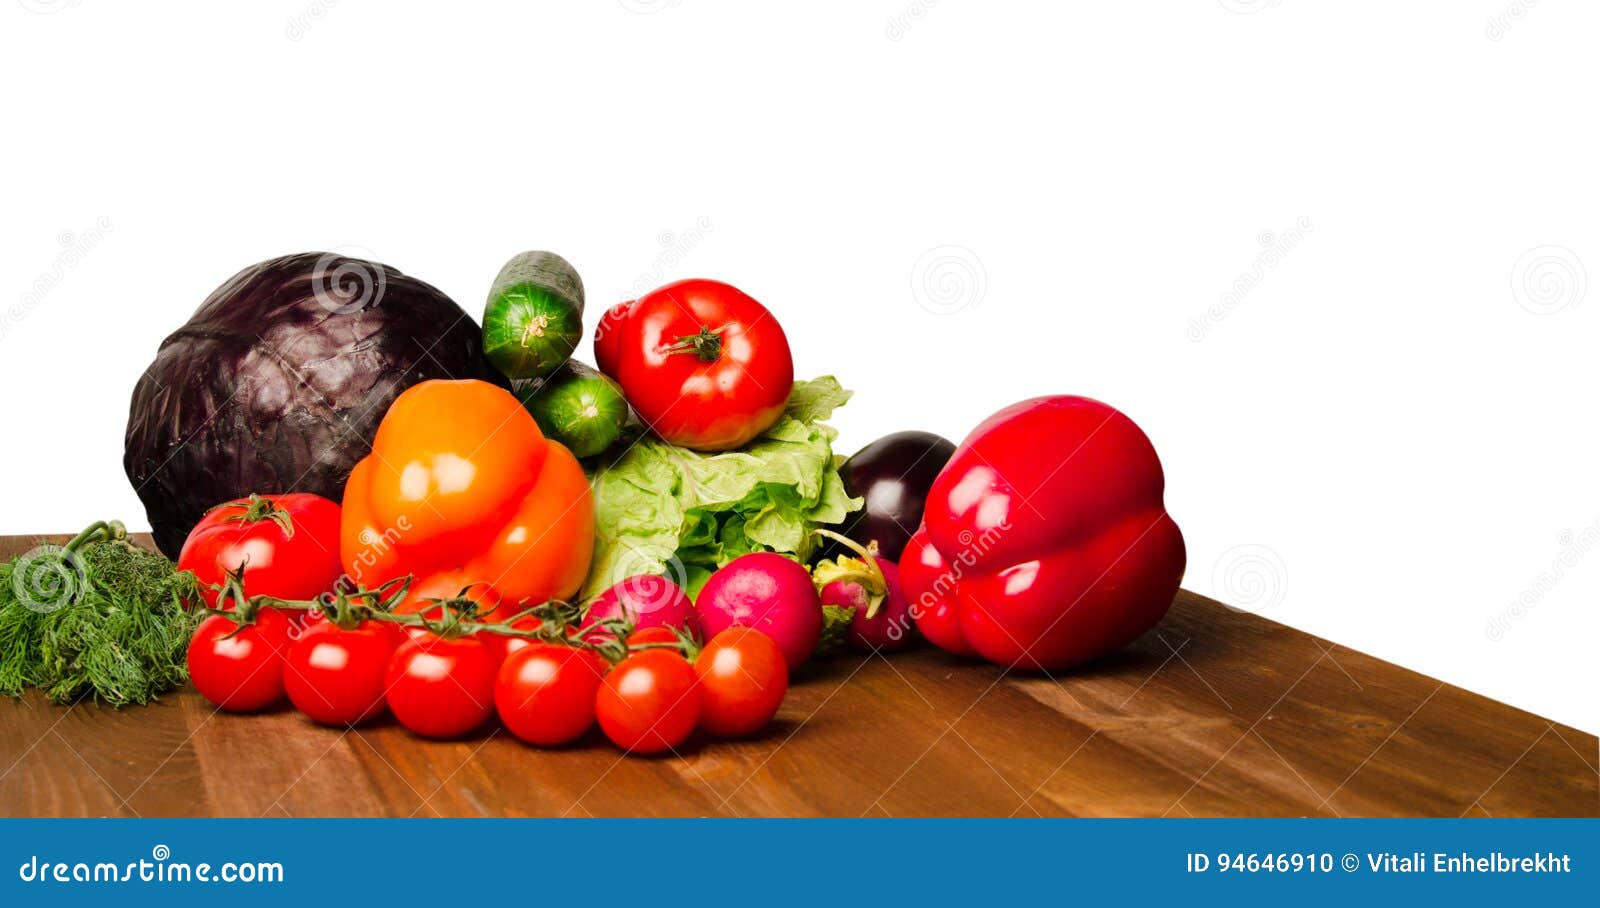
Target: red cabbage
[279, 379]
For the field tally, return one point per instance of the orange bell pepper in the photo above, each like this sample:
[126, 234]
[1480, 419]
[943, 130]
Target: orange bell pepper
[460, 479]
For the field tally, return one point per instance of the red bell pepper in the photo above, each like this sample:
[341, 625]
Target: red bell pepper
[1045, 542]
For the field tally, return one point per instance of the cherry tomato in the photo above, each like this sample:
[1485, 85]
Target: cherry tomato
[243, 671]
[503, 645]
[288, 546]
[652, 635]
[447, 585]
[545, 692]
[743, 678]
[336, 676]
[439, 687]
[704, 364]
[649, 702]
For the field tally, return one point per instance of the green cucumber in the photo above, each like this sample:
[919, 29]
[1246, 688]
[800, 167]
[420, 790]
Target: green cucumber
[577, 406]
[534, 318]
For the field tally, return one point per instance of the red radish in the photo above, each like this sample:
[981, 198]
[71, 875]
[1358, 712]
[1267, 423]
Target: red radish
[882, 621]
[770, 593]
[870, 585]
[648, 601]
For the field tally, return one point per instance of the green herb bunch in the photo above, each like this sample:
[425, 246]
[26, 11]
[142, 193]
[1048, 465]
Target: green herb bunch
[97, 617]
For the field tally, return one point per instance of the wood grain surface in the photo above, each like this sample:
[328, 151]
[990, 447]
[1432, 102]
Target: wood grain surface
[1215, 712]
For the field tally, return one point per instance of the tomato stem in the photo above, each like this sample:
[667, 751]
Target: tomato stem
[256, 509]
[706, 344]
[459, 616]
[346, 609]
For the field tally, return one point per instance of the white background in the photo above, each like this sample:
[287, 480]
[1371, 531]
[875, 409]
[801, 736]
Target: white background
[1330, 256]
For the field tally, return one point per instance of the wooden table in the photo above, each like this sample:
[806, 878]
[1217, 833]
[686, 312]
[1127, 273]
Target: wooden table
[1215, 712]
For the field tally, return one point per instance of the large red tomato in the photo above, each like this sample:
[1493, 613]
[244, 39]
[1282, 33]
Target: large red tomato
[288, 546]
[705, 365]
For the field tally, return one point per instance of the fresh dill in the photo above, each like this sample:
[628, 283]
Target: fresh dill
[98, 617]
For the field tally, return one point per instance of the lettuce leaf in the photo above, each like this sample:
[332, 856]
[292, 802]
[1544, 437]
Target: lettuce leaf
[661, 509]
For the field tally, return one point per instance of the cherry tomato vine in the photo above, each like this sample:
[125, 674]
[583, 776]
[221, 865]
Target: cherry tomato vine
[442, 665]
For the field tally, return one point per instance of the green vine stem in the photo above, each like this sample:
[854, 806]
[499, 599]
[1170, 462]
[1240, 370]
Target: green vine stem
[99, 531]
[458, 616]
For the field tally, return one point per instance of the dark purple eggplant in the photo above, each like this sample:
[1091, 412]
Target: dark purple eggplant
[893, 474]
[278, 381]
